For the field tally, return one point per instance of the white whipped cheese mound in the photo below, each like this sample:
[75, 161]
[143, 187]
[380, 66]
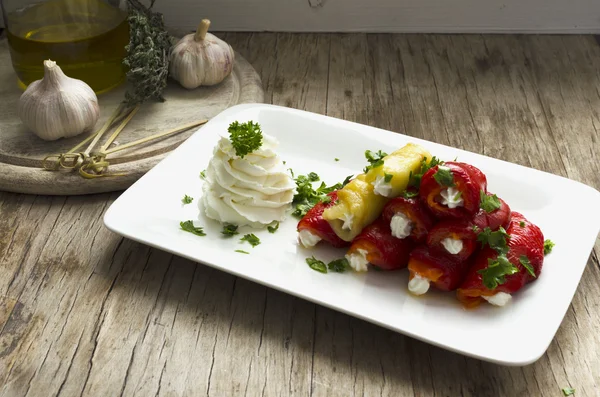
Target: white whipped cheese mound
[498, 299]
[308, 239]
[358, 260]
[381, 187]
[401, 226]
[418, 285]
[255, 190]
[452, 245]
[452, 198]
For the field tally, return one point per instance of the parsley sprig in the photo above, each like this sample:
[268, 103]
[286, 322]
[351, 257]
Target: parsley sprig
[497, 269]
[273, 229]
[307, 197]
[548, 245]
[245, 137]
[187, 199]
[414, 178]
[444, 176]
[489, 203]
[375, 159]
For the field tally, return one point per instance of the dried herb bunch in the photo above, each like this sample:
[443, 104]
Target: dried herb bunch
[147, 54]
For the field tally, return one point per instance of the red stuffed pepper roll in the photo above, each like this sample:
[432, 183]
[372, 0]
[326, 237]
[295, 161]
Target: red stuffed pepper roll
[455, 238]
[494, 212]
[408, 217]
[376, 245]
[452, 189]
[427, 266]
[499, 272]
[312, 228]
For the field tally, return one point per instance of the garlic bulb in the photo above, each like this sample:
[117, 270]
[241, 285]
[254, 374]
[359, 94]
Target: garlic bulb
[58, 106]
[201, 58]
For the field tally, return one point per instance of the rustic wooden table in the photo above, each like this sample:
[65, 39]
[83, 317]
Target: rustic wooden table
[85, 312]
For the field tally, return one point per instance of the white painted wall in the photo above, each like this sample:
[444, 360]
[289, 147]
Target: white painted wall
[423, 16]
[457, 16]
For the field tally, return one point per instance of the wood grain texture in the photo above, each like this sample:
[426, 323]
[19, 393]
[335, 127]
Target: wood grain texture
[84, 312]
[392, 16]
[21, 152]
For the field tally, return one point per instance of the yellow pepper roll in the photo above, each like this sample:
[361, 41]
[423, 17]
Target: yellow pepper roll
[361, 201]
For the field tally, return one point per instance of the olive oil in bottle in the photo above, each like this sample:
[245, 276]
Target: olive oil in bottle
[86, 38]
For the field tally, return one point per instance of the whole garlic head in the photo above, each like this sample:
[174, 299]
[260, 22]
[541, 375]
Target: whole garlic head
[201, 58]
[58, 106]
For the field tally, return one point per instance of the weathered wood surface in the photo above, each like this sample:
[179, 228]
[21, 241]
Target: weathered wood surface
[85, 312]
[21, 152]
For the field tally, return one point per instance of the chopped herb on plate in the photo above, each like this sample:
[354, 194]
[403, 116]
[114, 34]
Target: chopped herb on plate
[242, 252]
[387, 177]
[203, 174]
[273, 229]
[187, 199]
[316, 264]
[252, 239]
[188, 226]
[229, 230]
[338, 265]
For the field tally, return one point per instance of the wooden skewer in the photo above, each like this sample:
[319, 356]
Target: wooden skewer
[155, 136]
[119, 129]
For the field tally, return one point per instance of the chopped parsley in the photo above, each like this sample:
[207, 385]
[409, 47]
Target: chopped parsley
[347, 180]
[307, 197]
[203, 174]
[245, 137]
[496, 271]
[375, 159]
[524, 260]
[548, 245]
[444, 176]
[242, 252]
[496, 240]
[313, 177]
[410, 193]
[522, 224]
[187, 199]
[188, 226]
[229, 230]
[316, 264]
[284, 162]
[414, 179]
[338, 265]
[273, 229]
[387, 177]
[291, 172]
[336, 159]
[568, 391]
[252, 239]
[475, 229]
[489, 203]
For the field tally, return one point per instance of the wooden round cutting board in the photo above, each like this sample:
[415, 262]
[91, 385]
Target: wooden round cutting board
[21, 152]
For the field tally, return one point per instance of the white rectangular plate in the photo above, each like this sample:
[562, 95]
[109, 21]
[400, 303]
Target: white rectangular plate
[518, 334]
